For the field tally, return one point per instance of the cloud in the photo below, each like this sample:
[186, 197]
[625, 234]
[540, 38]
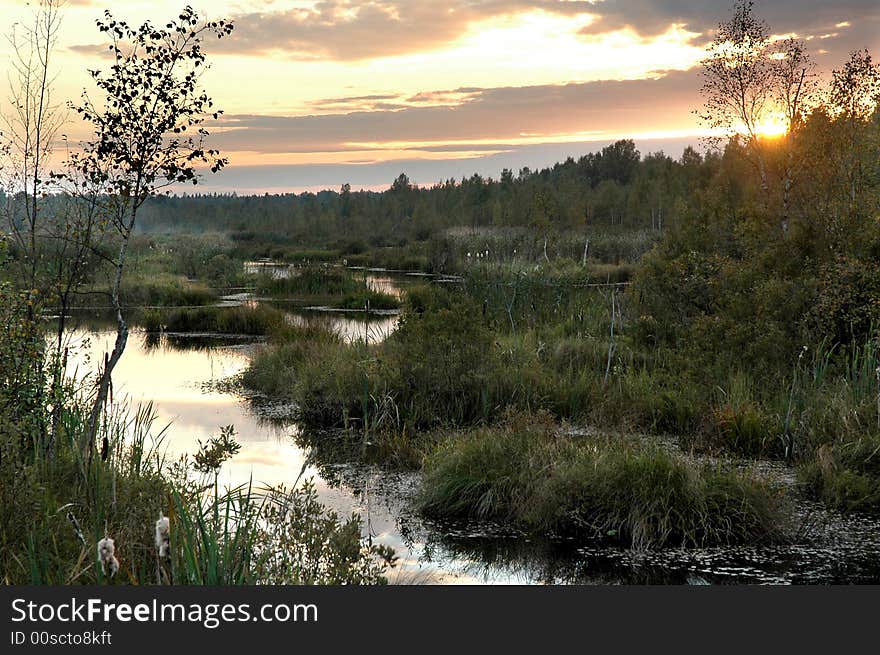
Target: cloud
[394, 102]
[352, 30]
[355, 103]
[652, 17]
[99, 50]
[348, 30]
[854, 23]
[487, 117]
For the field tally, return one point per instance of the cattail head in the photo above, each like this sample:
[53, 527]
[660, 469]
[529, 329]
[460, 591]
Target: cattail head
[163, 536]
[107, 557]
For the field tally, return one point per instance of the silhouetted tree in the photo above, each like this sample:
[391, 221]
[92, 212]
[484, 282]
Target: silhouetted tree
[148, 135]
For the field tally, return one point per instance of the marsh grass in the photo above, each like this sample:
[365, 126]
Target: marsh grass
[164, 291]
[391, 258]
[308, 281]
[596, 488]
[218, 536]
[837, 423]
[55, 508]
[367, 300]
[213, 536]
[59, 499]
[538, 340]
[456, 250]
[331, 286]
[244, 319]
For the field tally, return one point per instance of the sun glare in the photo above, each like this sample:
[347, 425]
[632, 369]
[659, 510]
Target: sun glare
[772, 126]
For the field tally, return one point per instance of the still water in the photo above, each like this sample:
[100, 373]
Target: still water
[182, 376]
[181, 380]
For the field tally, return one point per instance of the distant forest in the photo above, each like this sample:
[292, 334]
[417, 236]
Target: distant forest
[616, 186]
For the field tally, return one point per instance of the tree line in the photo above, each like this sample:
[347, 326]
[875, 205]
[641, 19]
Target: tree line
[616, 186]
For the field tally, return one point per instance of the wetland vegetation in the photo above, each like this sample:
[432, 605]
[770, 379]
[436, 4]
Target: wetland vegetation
[627, 352]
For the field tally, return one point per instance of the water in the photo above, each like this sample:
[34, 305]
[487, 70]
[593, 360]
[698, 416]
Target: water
[351, 325]
[183, 376]
[182, 382]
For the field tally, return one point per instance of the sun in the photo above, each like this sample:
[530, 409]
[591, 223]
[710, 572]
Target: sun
[772, 126]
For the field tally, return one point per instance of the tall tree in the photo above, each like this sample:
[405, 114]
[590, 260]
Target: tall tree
[52, 233]
[854, 98]
[31, 127]
[149, 134]
[750, 81]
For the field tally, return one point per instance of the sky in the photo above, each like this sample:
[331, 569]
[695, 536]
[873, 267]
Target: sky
[317, 94]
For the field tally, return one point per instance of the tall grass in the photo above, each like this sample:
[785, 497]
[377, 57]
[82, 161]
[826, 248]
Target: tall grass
[457, 250]
[245, 319]
[331, 286]
[214, 536]
[538, 339]
[164, 290]
[309, 281]
[57, 503]
[596, 488]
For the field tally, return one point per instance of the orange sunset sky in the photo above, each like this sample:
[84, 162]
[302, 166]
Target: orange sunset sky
[321, 93]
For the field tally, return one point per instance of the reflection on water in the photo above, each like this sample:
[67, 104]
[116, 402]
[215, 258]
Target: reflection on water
[393, 283]
[178, 381]
[384, 284]
[275, 270]
[183, 374]
[353, 326]
[183, 384]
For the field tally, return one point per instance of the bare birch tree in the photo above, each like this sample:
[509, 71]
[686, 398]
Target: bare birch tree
[31, 127]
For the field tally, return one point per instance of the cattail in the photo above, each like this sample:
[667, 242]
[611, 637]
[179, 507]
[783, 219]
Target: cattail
[107, 555]
[76, 529]
[163, 536]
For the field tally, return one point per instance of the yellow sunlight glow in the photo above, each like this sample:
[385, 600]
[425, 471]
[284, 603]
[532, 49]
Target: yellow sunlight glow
[772, 126]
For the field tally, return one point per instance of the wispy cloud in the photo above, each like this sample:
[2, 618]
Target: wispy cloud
[483, 118]
[347, 30]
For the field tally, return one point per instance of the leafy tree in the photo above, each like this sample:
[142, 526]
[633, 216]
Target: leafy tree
[148, 135]
[618, 161]
[53, 234]
[738, 79]
[853, 99]
[750, 81]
